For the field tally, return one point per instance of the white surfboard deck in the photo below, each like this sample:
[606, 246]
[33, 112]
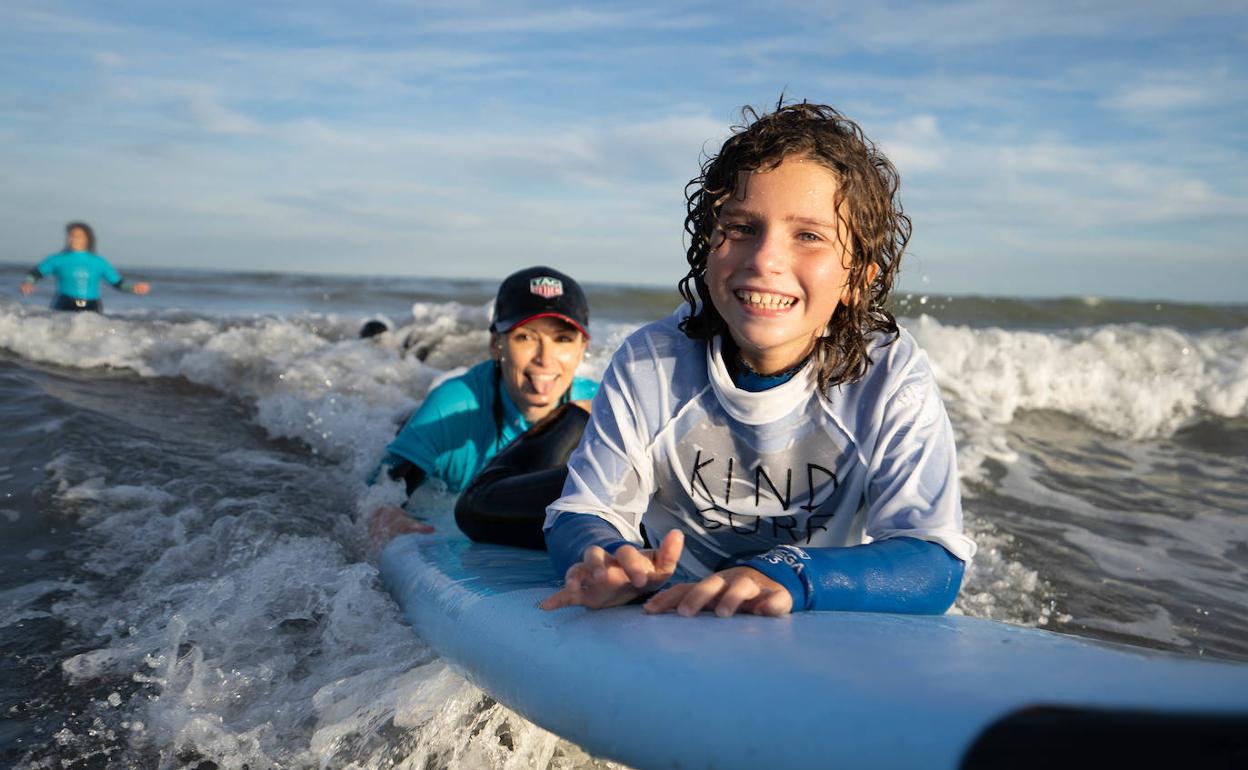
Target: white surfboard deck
[836, 689]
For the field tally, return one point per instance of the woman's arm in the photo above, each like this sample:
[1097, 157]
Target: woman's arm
[32, 277]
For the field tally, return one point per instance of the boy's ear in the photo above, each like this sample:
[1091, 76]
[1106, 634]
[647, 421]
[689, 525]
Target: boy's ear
[496, 345]
[853, 294]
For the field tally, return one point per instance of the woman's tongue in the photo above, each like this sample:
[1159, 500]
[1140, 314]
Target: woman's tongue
[541, 384]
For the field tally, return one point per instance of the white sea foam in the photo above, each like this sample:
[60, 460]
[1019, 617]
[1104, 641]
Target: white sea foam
[1130, 380]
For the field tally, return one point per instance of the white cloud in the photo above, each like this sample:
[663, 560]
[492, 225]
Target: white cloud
[915, 144]
[1161, 92]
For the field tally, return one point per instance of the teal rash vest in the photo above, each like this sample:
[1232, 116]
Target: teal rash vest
[78, 273]
[452, 435]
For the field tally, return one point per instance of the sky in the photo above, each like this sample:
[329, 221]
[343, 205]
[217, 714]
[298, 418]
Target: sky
[1045, 149]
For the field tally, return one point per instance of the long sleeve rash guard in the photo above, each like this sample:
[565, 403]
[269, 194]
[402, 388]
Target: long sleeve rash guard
[673, 441]
[78, 273]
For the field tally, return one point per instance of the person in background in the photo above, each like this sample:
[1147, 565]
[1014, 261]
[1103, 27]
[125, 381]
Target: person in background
[524, 409]
[780, 438]
[78, 271]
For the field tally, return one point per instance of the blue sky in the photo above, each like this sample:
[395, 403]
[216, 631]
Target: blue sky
[1091, 149]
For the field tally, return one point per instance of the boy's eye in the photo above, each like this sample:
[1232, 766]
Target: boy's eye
[737, 229]
[809, 237]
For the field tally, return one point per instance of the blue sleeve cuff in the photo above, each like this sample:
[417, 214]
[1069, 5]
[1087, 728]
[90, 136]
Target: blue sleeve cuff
[572, 533]
[784, 564]
[901, 574]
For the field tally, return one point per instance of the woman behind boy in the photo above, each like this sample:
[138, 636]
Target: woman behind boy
[521, 411]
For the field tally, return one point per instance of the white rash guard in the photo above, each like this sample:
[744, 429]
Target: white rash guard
[672, 441]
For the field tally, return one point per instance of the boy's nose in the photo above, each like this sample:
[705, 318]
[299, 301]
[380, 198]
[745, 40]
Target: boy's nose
[768, 255]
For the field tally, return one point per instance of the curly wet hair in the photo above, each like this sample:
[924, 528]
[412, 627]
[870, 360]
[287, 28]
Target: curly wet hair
[867, 205]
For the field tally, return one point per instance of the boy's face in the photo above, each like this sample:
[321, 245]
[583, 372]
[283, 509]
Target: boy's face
[538, 361]
[779, 268]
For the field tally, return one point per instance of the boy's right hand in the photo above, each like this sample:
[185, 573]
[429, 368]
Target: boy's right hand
[28, 288]
[603, 580]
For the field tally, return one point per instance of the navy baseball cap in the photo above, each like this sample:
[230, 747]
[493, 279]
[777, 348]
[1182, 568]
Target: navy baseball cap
[539, 292]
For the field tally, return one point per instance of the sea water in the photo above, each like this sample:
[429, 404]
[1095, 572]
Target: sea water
[184, 581]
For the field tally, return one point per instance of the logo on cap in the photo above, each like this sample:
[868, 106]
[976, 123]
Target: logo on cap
[546, 287]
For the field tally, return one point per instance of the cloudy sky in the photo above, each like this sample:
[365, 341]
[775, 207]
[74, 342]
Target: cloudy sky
[1074, 148]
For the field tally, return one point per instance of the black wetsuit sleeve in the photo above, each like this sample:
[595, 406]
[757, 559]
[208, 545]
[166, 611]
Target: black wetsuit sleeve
[508, 509]
[411, 473]
[506, 502]
[34, 275]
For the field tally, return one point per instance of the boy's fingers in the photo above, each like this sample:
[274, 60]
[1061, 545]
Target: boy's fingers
[563, 598]
[701, 594]
[594, 559]
[773, 604]
[575, 576]
[572, 591]
[668, 557]
[636, 566]
[738, 592]
[666, 601]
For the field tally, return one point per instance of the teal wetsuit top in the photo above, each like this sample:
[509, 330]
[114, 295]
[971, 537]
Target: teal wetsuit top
[78, 273]
[453, 434]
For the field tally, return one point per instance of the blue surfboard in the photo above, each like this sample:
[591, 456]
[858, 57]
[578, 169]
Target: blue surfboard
[836, 689]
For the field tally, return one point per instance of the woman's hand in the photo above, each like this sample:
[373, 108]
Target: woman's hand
[390, 521]
[739, 589]
[142, 287]
[602, 580]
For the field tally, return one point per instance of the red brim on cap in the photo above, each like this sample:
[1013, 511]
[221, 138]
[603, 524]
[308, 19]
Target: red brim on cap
[560, 316]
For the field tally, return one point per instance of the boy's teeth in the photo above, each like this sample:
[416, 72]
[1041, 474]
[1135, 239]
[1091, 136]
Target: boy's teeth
[765, 299]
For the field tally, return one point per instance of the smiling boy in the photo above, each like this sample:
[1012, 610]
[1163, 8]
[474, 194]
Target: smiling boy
[779, 436]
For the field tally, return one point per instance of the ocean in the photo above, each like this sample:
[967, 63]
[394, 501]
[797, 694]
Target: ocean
[183, 582]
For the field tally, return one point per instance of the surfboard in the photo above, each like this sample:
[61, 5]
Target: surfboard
[830, 689]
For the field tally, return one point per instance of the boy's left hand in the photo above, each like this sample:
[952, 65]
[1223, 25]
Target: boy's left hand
[739, 589]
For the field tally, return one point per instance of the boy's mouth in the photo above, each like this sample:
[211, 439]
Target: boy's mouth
[764, 300]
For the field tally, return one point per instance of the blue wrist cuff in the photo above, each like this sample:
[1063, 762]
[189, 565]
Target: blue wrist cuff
[786, 564]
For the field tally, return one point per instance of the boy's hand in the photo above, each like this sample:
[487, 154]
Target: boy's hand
[605, 580]
[28, 288]
[740, 589]
[142, 287]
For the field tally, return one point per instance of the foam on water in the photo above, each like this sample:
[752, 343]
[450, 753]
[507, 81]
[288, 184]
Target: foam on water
[1129, 380]
[229, 611]
[233, 614]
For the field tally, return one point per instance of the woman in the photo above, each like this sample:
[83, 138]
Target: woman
[538, 337]
[78, 270]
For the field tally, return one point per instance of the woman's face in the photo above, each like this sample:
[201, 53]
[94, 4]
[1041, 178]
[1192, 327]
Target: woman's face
[538, 361]
[76, 239]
